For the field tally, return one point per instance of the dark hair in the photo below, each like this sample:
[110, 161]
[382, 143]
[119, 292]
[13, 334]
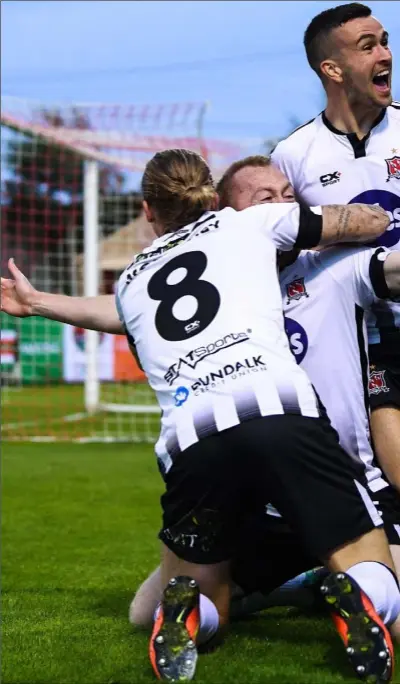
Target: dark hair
[178, 186]
[224, 184]
[316, 38]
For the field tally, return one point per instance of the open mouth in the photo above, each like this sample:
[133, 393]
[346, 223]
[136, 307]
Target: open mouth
[381, 80]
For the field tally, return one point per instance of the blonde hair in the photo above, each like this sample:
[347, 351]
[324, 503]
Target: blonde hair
[178, 186]
[224, 185]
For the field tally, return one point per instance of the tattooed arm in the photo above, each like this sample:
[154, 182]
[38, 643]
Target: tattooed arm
[352, 223]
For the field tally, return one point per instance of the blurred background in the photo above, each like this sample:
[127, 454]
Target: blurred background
[90, 90]
[245, 58]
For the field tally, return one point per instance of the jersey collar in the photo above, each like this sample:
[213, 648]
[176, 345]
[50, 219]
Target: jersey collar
[357, 144]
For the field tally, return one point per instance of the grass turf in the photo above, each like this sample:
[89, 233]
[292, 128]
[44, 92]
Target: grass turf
[79, 529]
[58, 412]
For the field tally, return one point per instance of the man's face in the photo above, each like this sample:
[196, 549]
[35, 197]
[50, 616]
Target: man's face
[259, 185]
[366, 61]
[262, 185]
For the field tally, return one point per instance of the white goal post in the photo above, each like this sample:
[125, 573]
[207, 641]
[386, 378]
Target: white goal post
[72, 220]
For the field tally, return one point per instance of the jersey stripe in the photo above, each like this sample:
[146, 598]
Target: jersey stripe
[389, 333]
[359, 316]
[204, 422]
[247, 405]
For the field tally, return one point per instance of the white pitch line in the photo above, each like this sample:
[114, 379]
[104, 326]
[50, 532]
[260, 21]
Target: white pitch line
[66, 419]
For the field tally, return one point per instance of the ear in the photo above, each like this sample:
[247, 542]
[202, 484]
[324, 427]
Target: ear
[331, 70]
[148, 212]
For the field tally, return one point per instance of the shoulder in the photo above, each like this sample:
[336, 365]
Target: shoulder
[227, 213]
[268, 212]
[393, 111]
[340, 260]
[298, 141]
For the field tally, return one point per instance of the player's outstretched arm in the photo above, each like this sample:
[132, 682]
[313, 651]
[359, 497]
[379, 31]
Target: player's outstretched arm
[352, 223]
[20, 298]
[391, 270]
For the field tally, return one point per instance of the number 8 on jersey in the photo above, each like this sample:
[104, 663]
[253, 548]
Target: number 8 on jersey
[169, 327]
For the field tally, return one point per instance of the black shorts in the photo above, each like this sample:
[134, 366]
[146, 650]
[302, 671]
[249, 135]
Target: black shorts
[384, 378]
[294, 462]
[268, 554]
[387, 501]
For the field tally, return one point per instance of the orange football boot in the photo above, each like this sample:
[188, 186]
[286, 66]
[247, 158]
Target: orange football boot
[367, 641]
[172, 651]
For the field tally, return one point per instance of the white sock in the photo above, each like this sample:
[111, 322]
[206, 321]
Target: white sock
[379, 584]
[209, 619]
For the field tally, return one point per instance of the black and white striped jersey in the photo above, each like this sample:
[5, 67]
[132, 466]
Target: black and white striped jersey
[324, 296]
[203, 308]
[326, 166]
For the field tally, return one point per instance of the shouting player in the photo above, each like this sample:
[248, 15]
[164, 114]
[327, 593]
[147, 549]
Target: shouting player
[248, 398]
[351, 153]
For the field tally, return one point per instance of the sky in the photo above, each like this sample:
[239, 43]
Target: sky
[245, 58]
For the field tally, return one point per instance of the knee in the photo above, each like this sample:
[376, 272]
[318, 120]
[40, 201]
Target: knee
[140, 615]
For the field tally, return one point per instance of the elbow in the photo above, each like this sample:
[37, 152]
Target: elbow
[393, 285]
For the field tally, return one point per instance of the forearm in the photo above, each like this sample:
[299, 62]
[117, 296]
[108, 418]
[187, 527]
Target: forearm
[352, 223]
[95, 313]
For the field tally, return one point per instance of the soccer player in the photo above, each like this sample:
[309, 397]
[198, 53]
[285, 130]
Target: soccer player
[351, 153]
[324, 297]
[201, 279]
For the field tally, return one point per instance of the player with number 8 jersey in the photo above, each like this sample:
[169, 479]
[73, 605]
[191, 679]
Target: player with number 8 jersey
[211, 364]
[241, 423]
[202, 308]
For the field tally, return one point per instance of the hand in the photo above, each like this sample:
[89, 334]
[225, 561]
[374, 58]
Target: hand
[17, 294]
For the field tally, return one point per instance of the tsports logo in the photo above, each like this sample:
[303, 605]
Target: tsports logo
[192, 358]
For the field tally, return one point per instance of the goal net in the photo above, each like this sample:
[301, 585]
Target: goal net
[71, 218]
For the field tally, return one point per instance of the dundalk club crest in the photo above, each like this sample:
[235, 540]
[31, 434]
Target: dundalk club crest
[377, 382]
[393, 167]
[296, 290]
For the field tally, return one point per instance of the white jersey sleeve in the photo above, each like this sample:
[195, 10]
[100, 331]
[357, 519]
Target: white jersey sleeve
[286, 163]
[288, 225]
[119, 308]
[291, 154]
[362, 269]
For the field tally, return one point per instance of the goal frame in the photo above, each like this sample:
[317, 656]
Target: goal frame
[98, 147]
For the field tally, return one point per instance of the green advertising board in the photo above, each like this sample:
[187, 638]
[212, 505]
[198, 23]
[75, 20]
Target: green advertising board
[9, 343]
[39, 348]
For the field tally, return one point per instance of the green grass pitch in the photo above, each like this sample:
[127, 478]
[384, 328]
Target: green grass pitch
[79, 525]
